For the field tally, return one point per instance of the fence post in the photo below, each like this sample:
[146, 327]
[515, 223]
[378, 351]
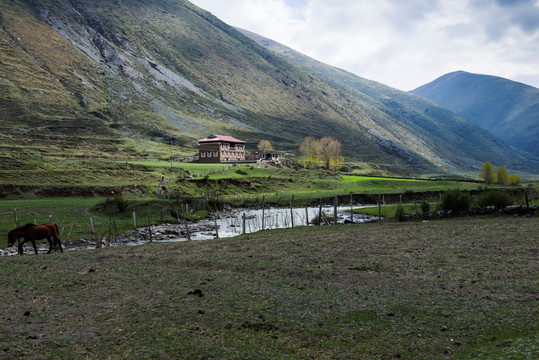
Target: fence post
[335, 201]
[71, 229]
[379, 212]
[187, 226]
[320, 214]
[50, 219]
[263, 215]
[134, 220]
[306, 216]
[243, 223]
[292, 211]
[17, 224]
[216, 227]
[17, 219]
[149, 226]
[115, 230]
[351, 209]
[97, 242]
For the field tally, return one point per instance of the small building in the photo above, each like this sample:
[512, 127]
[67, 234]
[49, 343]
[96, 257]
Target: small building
[220, 148]
[267, 156]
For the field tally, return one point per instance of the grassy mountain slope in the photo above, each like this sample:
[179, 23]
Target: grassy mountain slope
[508, 109]
[50, 89]
[127, 78]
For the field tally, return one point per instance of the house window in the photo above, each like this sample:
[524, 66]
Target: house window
[202, 154]
[215, 154]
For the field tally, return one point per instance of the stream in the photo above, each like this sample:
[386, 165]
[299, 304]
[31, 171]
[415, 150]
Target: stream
[229, 224]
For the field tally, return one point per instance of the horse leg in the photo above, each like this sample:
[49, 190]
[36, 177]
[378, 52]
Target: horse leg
[57, 240]
[21, 243]
[50, 244]
[34, 244]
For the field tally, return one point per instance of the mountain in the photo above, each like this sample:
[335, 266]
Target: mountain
[508, 109]
[435, 132]
[128, 78]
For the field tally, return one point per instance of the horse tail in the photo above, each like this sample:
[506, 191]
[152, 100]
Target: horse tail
[58, 241]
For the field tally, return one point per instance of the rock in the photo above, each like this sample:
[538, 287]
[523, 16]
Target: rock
[196, 292]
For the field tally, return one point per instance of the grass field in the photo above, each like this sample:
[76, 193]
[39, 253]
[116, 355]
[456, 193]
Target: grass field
[451, 289]
[63, 211]
[198, 169]
[72, 215]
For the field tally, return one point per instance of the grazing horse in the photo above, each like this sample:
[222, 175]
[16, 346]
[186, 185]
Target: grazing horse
[31, 232]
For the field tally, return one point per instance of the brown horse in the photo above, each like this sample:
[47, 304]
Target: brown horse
[31, 232]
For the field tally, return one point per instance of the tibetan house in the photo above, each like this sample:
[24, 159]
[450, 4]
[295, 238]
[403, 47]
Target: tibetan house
[219, 148]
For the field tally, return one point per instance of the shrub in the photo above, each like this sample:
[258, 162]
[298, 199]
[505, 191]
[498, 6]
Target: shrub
[425, 206]
[400, 215]
[498, 199]
[515, 179]
[455, 200]
[121, 203]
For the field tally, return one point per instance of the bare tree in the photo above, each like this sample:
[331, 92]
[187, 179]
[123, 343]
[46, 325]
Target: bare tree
[330, 153]
[264, 145]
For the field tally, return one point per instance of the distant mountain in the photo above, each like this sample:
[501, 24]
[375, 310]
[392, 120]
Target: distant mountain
[129, 77]
[508, 109]
[436, 133]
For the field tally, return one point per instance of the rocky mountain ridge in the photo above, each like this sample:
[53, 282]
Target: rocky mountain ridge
[130, 78]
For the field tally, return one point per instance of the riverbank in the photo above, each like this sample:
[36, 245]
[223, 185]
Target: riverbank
[221, 224]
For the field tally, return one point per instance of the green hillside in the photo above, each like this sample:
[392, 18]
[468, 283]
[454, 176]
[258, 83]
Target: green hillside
[508, 109]
[123, 79]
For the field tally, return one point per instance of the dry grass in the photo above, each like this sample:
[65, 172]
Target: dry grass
[443, 289]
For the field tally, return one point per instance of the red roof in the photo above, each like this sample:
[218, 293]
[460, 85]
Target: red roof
[221, 138]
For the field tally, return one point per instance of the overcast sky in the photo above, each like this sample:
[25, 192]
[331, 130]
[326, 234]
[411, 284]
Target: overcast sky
[401, 43]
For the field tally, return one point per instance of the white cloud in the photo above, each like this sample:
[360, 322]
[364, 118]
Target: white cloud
[403, 44]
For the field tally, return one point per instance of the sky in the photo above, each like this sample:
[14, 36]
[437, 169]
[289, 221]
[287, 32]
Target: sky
[400, 43]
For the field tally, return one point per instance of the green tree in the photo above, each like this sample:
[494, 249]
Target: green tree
[502, 177]
[336, 163]
[515, 179]
[264, 145]
[487, 173]
[310, 148]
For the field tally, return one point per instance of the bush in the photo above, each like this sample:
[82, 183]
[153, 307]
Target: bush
[455, 200]
[121, 203]
[425, 206]
[498, 199]
[400, 215]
